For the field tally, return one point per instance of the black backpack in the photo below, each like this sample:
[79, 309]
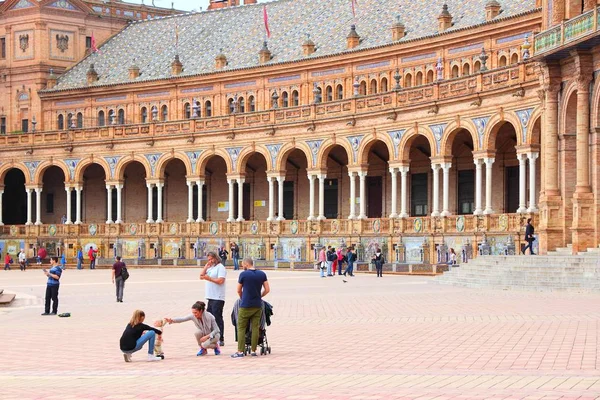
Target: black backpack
[124, 273]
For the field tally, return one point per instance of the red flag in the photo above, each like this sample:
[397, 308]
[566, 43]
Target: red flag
[354, 4]
[93, 44]
[266, 19]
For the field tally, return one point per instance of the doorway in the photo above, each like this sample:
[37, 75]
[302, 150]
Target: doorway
[374, 195]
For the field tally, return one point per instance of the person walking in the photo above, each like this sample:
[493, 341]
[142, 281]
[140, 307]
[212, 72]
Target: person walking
[214, 273]
[250, 284]
[52, 286]
[117, 278]
[529, 231]
[92, 256]
[136, 334]
[330, 257]
[340, 260]
[322, 261]
[7, 262]
[63, 260]
[235, 255]
[22, 259]
[208, 334]
[379, 261]
[79, 258]
[350, 259]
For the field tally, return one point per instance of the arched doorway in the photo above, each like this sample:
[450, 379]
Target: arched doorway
[54, 196]
[296, 186]
[94, 202]
[461, 197]
[377, 183]
[135, 207]
[506, 169]
[216, 191]
[255, 190]
[418, 185]
[175, 191]
[14, 201]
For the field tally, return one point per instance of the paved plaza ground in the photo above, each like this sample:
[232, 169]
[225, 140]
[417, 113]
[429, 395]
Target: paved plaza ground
[396, 337]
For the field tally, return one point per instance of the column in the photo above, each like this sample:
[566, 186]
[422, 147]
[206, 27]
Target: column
[478, 181]
[436, 190]
[583, 137]
[311, 195]
[159, 199]
[38, 206]
[231, 182]
[446, 188]
[1, 195]
[489, 162]
[550, 138]
[393, 172]
[109, 203]
[240, 199]
[190, 185]
[321, 196]
[271, 199]
[363, 197]
[150, 205]
[522, 183]
[352, 195]
[119, 188]
[68, 213]
[404, 192]
[280, 180]
[200, 184]
[78, 190]
[28, 191]
[532, 157]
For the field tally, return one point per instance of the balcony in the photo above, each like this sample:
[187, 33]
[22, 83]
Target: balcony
[568, 31]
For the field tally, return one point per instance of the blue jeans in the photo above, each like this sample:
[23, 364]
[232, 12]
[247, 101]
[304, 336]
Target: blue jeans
[329, 268]
[322, 269]
[79, 264]
[149, 337]
[236, 263]
[349, 269]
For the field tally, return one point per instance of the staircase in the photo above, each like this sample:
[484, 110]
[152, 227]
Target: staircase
[559, 271]
[5, 298]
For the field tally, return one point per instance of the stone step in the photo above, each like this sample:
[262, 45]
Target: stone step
[6, 299]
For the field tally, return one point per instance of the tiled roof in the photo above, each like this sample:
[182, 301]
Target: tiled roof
[240, 32]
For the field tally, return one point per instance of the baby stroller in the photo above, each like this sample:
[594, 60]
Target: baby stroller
[265, 320]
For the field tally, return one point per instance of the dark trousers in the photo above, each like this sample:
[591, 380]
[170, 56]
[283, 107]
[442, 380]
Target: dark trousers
[349, 269]
[379, 267]
[340, 265]
[120, 285]
[215, 307]
[529, 246]
[93, 264]
[51, 293]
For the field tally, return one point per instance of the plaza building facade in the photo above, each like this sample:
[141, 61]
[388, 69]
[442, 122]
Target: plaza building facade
[409, 130]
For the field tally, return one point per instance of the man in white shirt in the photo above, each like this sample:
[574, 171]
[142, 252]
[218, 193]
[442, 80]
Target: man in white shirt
[22, 259]
[214, 273]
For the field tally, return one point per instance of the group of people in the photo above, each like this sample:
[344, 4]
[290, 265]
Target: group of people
[331, 261]
[252, 286]
[235, 254]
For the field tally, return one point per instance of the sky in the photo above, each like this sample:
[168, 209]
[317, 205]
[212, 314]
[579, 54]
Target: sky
[185, 5]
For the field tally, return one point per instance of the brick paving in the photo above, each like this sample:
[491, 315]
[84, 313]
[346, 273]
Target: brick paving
[396, 337]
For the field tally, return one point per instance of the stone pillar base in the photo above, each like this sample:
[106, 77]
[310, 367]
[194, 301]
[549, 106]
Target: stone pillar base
[583, 221]
[549, 224]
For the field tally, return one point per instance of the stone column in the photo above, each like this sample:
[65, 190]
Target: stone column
[1, 195]
[119, 188]
[489, 162]
[550, 138]
[478, 184]
[280, 180]
[532, 157]
[38, 206]
[150, 205]
[446, 188]
[404, 192]
[159, 200]
[363, 202]
[393, 172]
[583, 136]
[231, 192]
[200, 184]
[352, 215]
[109, 204]
[322, 178]
[522, 183]
[78, 190]
[271, 216]
[28, 191]
[436, 190]
[240, 182]
[311, 195]
[190, 185]
[68, 213]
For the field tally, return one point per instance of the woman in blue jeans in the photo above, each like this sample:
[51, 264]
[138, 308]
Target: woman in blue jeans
[136, 334]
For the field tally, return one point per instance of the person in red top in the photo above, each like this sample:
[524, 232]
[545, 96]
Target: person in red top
[92, 256]
[7, 262]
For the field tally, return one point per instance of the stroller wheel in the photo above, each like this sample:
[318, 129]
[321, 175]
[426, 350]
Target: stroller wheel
[269, 350]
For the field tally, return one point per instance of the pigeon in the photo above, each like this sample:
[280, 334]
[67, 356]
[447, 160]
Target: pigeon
[343, 280]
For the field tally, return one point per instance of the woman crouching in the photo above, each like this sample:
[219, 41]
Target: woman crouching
[136, 334]
[208, 333]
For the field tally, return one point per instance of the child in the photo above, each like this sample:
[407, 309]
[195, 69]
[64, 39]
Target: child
[159, 323]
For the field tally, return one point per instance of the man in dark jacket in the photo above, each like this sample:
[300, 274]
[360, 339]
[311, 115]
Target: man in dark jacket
[529, 237]
[350, 259]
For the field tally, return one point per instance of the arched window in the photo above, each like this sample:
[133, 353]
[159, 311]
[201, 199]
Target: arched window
[476, 67]
[143, 115]
[295, 98]
[101, 118]
[429, 78]
[339, 92]
[419, 79]
[384, 85]
[455, 71]
[61, 121]
[362, 89]
[79, 120]
[466, 69]
[208, 108]
[230, 106]
[251, 104]
[121, 117]
[514, 59]
[198, 108]
[242, 104]
[502, 61]
[187, 110]
[373, 86]
[285, 101]
[164, 113]
[328, 93]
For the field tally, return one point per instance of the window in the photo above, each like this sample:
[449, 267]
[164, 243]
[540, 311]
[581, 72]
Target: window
[242, 104]
[429, 76]
[88, 42]
[455, 71]
[466, 191]
[61, 122]
[187, 111]
[143, 115]
[408, 80]
[251, 104]
[328, 93]
[164, 113]
[514, 59]
[49, 203]
[502, 61]
[384, 85]
[419, 195]
[373, 86]
[208, 112]
[70, 120]
[101, 119]
[285, 101]
[339, 92]
[79, 120]
[121, 117]
[362, 89]
[466, 69]
[3, 125]
[295, 98]
[476, 67]
[2, 48]
[419, 79]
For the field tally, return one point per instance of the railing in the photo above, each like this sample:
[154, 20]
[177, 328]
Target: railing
[566, 32]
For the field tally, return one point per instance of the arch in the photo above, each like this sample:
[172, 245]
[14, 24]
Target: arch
[285, 102]
[251, 104]
[429, 78]
[514, 59]
[295, 98]
[83, 164]
[409, 136]
[101, 118]
[44, 165]
[325, 149]
[187, 111]
[242, 104]
[384, 85]
[247, 152]
[502, 61]
[123, 162]
[328, 93]
[164, 113]
[408, 80]
[419, 78]
[450, 133]
[362, 89]
[208, 108]
[569, 91]
[163, 161]
[373, 86]
[466, 69]
[207, 155]
[535, 116]
[121, 117]
[476, 66]
[489, 135]
[4, 168]
[284, 152]
[454, 72]
[61, 122]
[230, 106]
[367, 143]
[144, 115]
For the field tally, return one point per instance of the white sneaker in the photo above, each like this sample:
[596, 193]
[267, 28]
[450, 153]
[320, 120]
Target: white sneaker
[151, 357]
[127, 357]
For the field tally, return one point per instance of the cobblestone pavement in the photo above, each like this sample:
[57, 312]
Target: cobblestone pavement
[396, 337]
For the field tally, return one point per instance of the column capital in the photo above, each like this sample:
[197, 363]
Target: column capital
[362, 174]
[200, 182]
[33, 187]
[446, 165]
[533, 155]
[235, 176]
[436, 167]
[489, 161]
[522, 157]
[393, 170]
[352, 174]
[109, 186]
[478, 162]
[404, 169]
